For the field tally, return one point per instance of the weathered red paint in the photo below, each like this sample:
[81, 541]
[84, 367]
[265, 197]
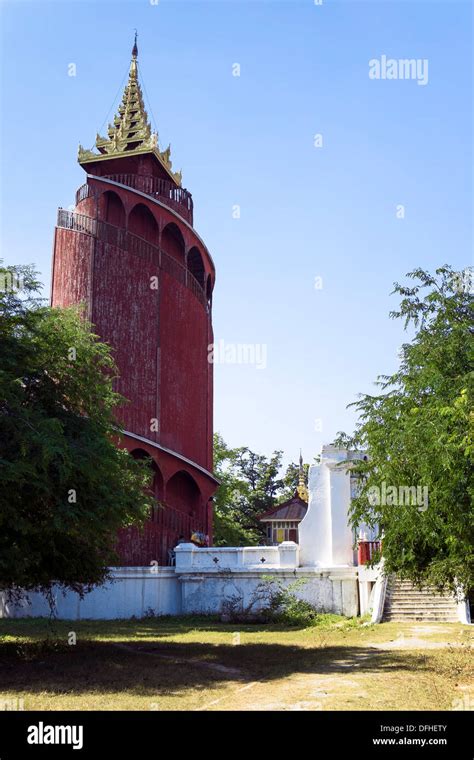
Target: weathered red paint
[160, 335]
[366, 551]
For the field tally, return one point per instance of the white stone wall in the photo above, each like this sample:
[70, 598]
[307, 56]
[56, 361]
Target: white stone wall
[133, 591]
[326, 590]
[139, 591]
[235, 558]
[212, 577]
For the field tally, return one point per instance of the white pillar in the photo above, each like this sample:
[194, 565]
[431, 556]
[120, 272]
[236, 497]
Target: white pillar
[342, 534]
[315, 527]
[288, 552]
[184, 556]
[325, 536]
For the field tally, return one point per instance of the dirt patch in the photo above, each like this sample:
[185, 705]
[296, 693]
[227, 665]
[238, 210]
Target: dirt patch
[413, 643]
[430, 629]
[413, 637]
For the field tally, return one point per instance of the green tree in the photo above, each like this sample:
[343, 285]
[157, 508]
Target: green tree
[250, 485]
[230, 526]
[66, 487]
[418, 431]
[260, 474]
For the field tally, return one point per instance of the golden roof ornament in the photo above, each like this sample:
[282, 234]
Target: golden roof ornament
[302, 489]
[130, 132]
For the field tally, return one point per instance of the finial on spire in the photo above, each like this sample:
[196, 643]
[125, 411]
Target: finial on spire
[133, 65]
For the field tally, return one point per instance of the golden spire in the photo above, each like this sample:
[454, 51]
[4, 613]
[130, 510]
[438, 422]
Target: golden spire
[130, 133]
[302, 490]
[133, 64]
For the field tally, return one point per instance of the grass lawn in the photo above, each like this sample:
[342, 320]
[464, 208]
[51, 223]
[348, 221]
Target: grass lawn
[202, 664]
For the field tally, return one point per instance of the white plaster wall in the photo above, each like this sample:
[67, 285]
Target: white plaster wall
[133, 591]
[137, 591]
[206, 593]
[378, 597]
[464, 611]
[369, 589]
[235, 558]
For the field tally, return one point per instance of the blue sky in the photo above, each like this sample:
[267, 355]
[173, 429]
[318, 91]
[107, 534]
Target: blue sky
[306, 212]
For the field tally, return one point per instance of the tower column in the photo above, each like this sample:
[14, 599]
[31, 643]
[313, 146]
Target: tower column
[325, 535]
[315, 534]
[123, 252]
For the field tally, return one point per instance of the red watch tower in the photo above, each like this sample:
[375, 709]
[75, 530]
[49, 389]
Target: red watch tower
[129, 251]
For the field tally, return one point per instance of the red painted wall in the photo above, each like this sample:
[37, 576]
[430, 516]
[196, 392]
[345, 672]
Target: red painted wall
[184, 372]
[160, 338]
[72, 266]
[125, 314]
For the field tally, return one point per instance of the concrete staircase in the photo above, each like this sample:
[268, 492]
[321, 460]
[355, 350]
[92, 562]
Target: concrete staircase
[404, 602]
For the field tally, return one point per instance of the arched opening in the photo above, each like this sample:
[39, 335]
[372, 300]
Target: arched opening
[196, 266]
[182, 493]
[157, 513]
[156, 478]
[141, 454]
[172, 242]
[141, 222]
[112, 209]
[146, 544]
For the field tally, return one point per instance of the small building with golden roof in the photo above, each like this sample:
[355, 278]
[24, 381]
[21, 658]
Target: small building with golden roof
[281, 522]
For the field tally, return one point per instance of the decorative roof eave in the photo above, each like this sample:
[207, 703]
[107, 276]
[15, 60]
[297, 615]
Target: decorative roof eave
[295, 500]
[280, 519]
[86, 157]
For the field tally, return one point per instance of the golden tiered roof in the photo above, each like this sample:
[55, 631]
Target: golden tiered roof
[130, 133]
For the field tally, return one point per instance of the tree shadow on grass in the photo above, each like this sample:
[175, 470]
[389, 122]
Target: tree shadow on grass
[160, 668]
[157, 627]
